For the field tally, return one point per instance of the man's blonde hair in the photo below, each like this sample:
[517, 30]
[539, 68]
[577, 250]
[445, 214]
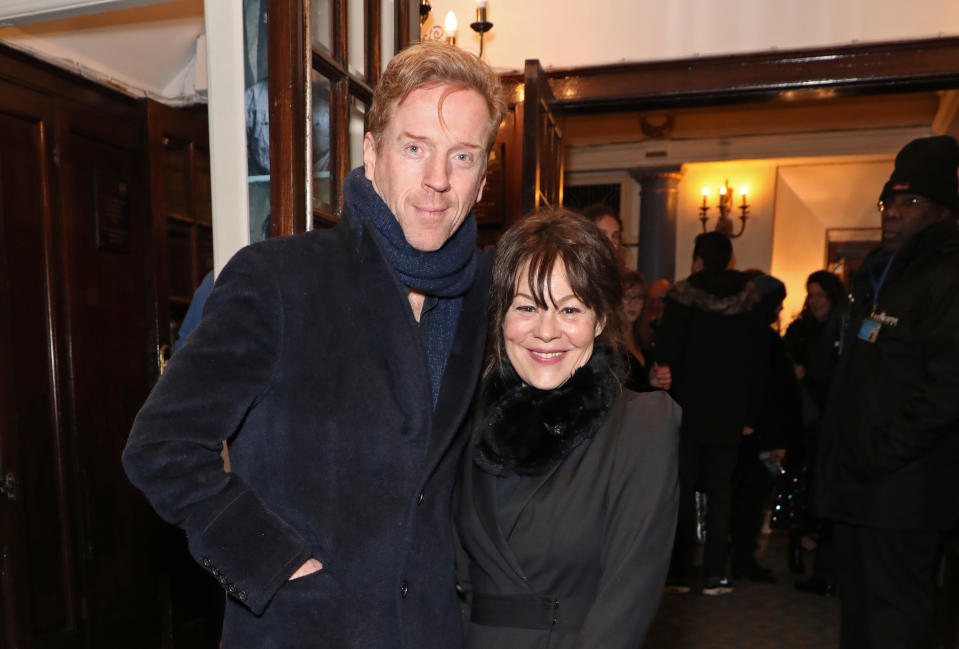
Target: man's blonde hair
[430, 64]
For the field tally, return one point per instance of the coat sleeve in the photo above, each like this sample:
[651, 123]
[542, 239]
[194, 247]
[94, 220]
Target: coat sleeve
[173, 453]
[642, 500]
[931, 411]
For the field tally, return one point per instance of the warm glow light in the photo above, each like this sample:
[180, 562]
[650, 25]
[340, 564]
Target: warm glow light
[481, 4]
[722, 190]
[450, 25]
[705, 191]
[742, 191]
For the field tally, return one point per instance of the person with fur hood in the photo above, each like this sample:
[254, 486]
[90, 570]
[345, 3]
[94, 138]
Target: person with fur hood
[711, 339]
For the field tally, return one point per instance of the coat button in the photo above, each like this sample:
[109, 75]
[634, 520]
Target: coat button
[241, 595]
[206, 562]
[419, 499]
[231, 589]
[222, 579]
[404, 589]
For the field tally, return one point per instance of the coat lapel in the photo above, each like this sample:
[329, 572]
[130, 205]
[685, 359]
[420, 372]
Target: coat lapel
[395, 341]
[463, 366]
[517, 501]
[484, 504]
[509, 515]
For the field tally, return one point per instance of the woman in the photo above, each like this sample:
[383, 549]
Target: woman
[639, 378]
[812, 342]
[567, 497]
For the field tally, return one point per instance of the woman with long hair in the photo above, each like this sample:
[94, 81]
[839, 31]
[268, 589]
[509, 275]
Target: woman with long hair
[812, 342]
[567, 496]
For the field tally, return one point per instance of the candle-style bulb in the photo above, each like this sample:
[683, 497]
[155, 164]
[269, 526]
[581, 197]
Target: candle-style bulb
[450, 25]
[481, 4]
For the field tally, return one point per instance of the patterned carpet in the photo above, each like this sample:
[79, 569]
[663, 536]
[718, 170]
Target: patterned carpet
[766, 616]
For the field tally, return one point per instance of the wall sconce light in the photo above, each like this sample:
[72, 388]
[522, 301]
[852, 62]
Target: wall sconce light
[447, 33]
[449, 28]
[482, 25]
[725, 205]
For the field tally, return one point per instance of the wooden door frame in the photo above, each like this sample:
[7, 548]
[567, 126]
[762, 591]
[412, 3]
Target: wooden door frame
[779, 76]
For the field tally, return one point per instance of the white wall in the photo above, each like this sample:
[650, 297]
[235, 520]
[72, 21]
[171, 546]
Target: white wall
[564, 33]
[792, 204]
[754, 248]
[811, 198]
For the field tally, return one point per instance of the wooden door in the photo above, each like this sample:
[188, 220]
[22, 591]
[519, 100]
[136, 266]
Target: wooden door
[543, 153]
[104, 230]
[525, 169]
[37, 574]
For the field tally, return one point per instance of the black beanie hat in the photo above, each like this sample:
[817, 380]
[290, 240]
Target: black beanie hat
[771, 293]
[927, 167]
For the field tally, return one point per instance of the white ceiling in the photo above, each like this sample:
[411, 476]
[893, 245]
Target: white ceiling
[146, 50]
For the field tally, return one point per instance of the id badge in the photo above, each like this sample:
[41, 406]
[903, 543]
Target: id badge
[869, 330]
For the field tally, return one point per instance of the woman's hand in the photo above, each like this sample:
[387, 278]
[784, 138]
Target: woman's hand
[660, 376]
[308, 568]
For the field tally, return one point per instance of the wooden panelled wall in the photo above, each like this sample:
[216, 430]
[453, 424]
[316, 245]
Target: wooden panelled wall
[84, 561]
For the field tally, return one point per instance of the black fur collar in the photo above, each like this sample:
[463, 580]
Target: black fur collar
[524, 431]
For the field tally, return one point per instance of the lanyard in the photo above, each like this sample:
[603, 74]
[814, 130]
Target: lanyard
[877, 286]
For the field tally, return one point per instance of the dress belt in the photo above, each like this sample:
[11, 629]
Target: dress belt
[529, 612]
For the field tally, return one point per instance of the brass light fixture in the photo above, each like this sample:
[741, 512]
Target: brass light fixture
[481, 25]
[724, 224]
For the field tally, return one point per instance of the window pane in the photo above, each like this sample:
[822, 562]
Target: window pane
[320, 25]
[387, 32]
[357, 39]
[357, 130]
[257, 117]
[320, 142]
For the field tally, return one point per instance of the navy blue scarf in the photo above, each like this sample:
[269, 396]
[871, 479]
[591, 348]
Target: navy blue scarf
[446, 273]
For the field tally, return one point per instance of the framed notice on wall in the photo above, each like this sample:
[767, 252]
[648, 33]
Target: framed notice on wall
[111, 208]
[846, 248]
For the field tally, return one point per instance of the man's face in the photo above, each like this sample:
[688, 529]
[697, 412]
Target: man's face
[428, 169]
[903, 215]
[611, 229]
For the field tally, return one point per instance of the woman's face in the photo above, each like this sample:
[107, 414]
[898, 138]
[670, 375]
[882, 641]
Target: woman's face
[817, 301]
[547, 345]
[633, 300]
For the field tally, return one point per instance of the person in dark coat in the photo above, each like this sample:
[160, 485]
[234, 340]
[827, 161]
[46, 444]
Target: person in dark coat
[338, 365]
[890, 440]
[708, 340]
[566, 500]
[812, 342]
[761, 454]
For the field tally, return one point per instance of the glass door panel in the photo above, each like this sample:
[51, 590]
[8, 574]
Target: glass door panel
[321, 143]
[321, 25]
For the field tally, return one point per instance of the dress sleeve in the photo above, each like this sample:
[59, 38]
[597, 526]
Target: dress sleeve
[173, 453]
[642, 502]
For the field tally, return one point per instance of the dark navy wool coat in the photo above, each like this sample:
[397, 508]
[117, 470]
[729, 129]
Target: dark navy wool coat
[308, 361]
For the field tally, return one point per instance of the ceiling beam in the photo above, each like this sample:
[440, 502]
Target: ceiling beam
[784, 76]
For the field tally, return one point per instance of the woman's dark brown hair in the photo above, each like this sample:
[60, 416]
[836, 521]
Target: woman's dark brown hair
[533, 246]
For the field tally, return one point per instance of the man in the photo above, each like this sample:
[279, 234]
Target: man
[708, 339]
[339, 365]
[608, 223]
[890, 445]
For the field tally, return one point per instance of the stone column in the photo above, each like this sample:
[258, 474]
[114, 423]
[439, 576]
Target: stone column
[659, 202]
